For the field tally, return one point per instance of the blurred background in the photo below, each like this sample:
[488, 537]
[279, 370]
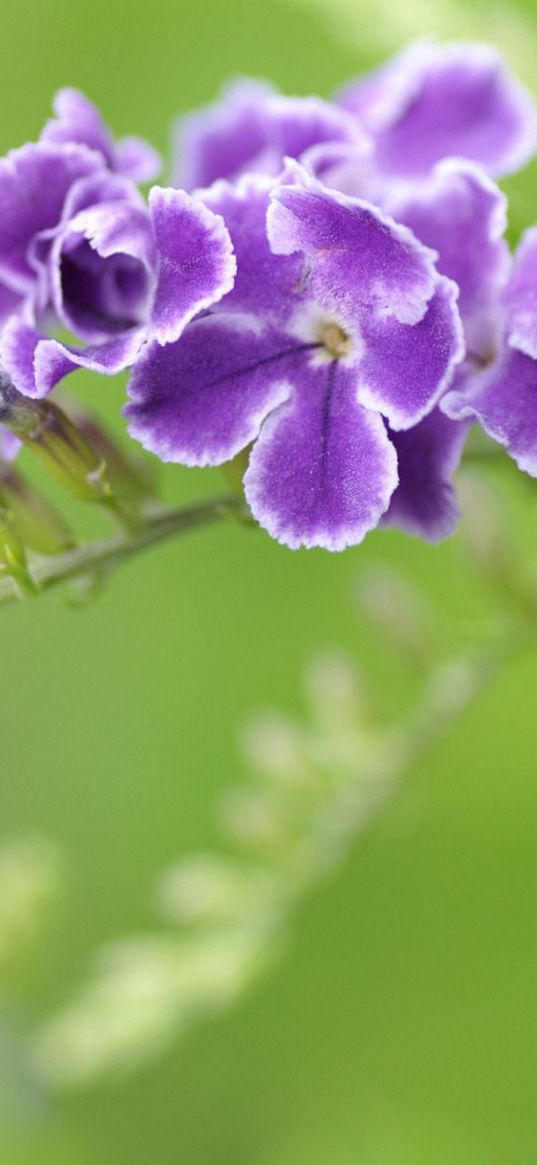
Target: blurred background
[400, 1026]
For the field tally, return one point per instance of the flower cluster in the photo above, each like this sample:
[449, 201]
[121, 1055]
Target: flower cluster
[325, 290]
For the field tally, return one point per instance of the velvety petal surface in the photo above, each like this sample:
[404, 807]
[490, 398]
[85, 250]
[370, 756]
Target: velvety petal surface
[504, 401]
[521, 297]
[356, 257]
[439, 101]
[77, 119]
[424, 502]
[462, 215]
[34, 182]
[266, 284]
[201, 400]
[323, 470]
[251, 127]
[195, 258]
[406, 368]
[102, 270]
[36, 363]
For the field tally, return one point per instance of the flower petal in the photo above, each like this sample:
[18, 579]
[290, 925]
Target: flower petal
[424, 502]
[196, 261]
[406, 369]
[266, 284]
[201, 400]
[78, 120]
[356, 256]
[504, 401]
[34, 182]
[323, 470]
[36, 363]
[102, 270]
[9, 445]
[522, 297]
[462, 215]
[253, 128]
[437, 101]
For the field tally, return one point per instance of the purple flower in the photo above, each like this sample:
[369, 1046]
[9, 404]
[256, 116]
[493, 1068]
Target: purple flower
[337, 321]
[503, 396]
[115, 273]
[439, 101]
[78, 121]
[252, 128]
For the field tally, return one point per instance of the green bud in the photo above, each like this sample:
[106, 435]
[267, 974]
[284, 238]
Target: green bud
[132, 478]
[13, 556]
[39, 524]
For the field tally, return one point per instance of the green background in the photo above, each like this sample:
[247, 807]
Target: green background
[401, 1026]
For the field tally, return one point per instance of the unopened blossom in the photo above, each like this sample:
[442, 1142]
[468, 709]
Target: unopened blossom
[502, 395]
[253, 128]
[338, 320]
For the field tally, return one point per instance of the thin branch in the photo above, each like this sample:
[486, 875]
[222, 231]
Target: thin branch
[108, 554]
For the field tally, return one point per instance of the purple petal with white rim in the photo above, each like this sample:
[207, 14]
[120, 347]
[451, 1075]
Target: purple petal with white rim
[196, 261]
[201, 400]
[36, 363]
[323, 470]
[462, 215]
[438, 101]
[521, 297]
[34, 182]
[405, 369]
[356, 256]
[266, 284]
[424, 502]
[78, 120]
[253, 128]
[102, 270]
[504, 401]
[136, 159]
[221, 139]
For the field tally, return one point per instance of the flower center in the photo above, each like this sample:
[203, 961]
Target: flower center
[335, 340]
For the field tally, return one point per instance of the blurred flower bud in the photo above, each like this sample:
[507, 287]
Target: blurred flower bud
[40, 525]
[206, 889]
[13, 556]
[274, 746]
[398, 610]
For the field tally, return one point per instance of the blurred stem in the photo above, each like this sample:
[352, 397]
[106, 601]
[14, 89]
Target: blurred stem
[106, 555]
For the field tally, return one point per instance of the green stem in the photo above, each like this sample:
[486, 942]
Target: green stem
[108, 554]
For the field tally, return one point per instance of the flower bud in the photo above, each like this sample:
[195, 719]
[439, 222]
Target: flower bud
[39, 524]
[56, 441]
[13, 556]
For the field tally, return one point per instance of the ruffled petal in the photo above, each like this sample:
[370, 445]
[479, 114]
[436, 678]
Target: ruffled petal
[266, 284]
[78, 120]
[253, 128]
[356, 257]
[36, 364]
[439, 101]
[424, 502]
[136, 159]
[406, 369]
[323, 470]
[462, 215]
[196, 261]
[521, 297]
[102, 270]
[201, 400]
[34, 182]
[504, 401]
